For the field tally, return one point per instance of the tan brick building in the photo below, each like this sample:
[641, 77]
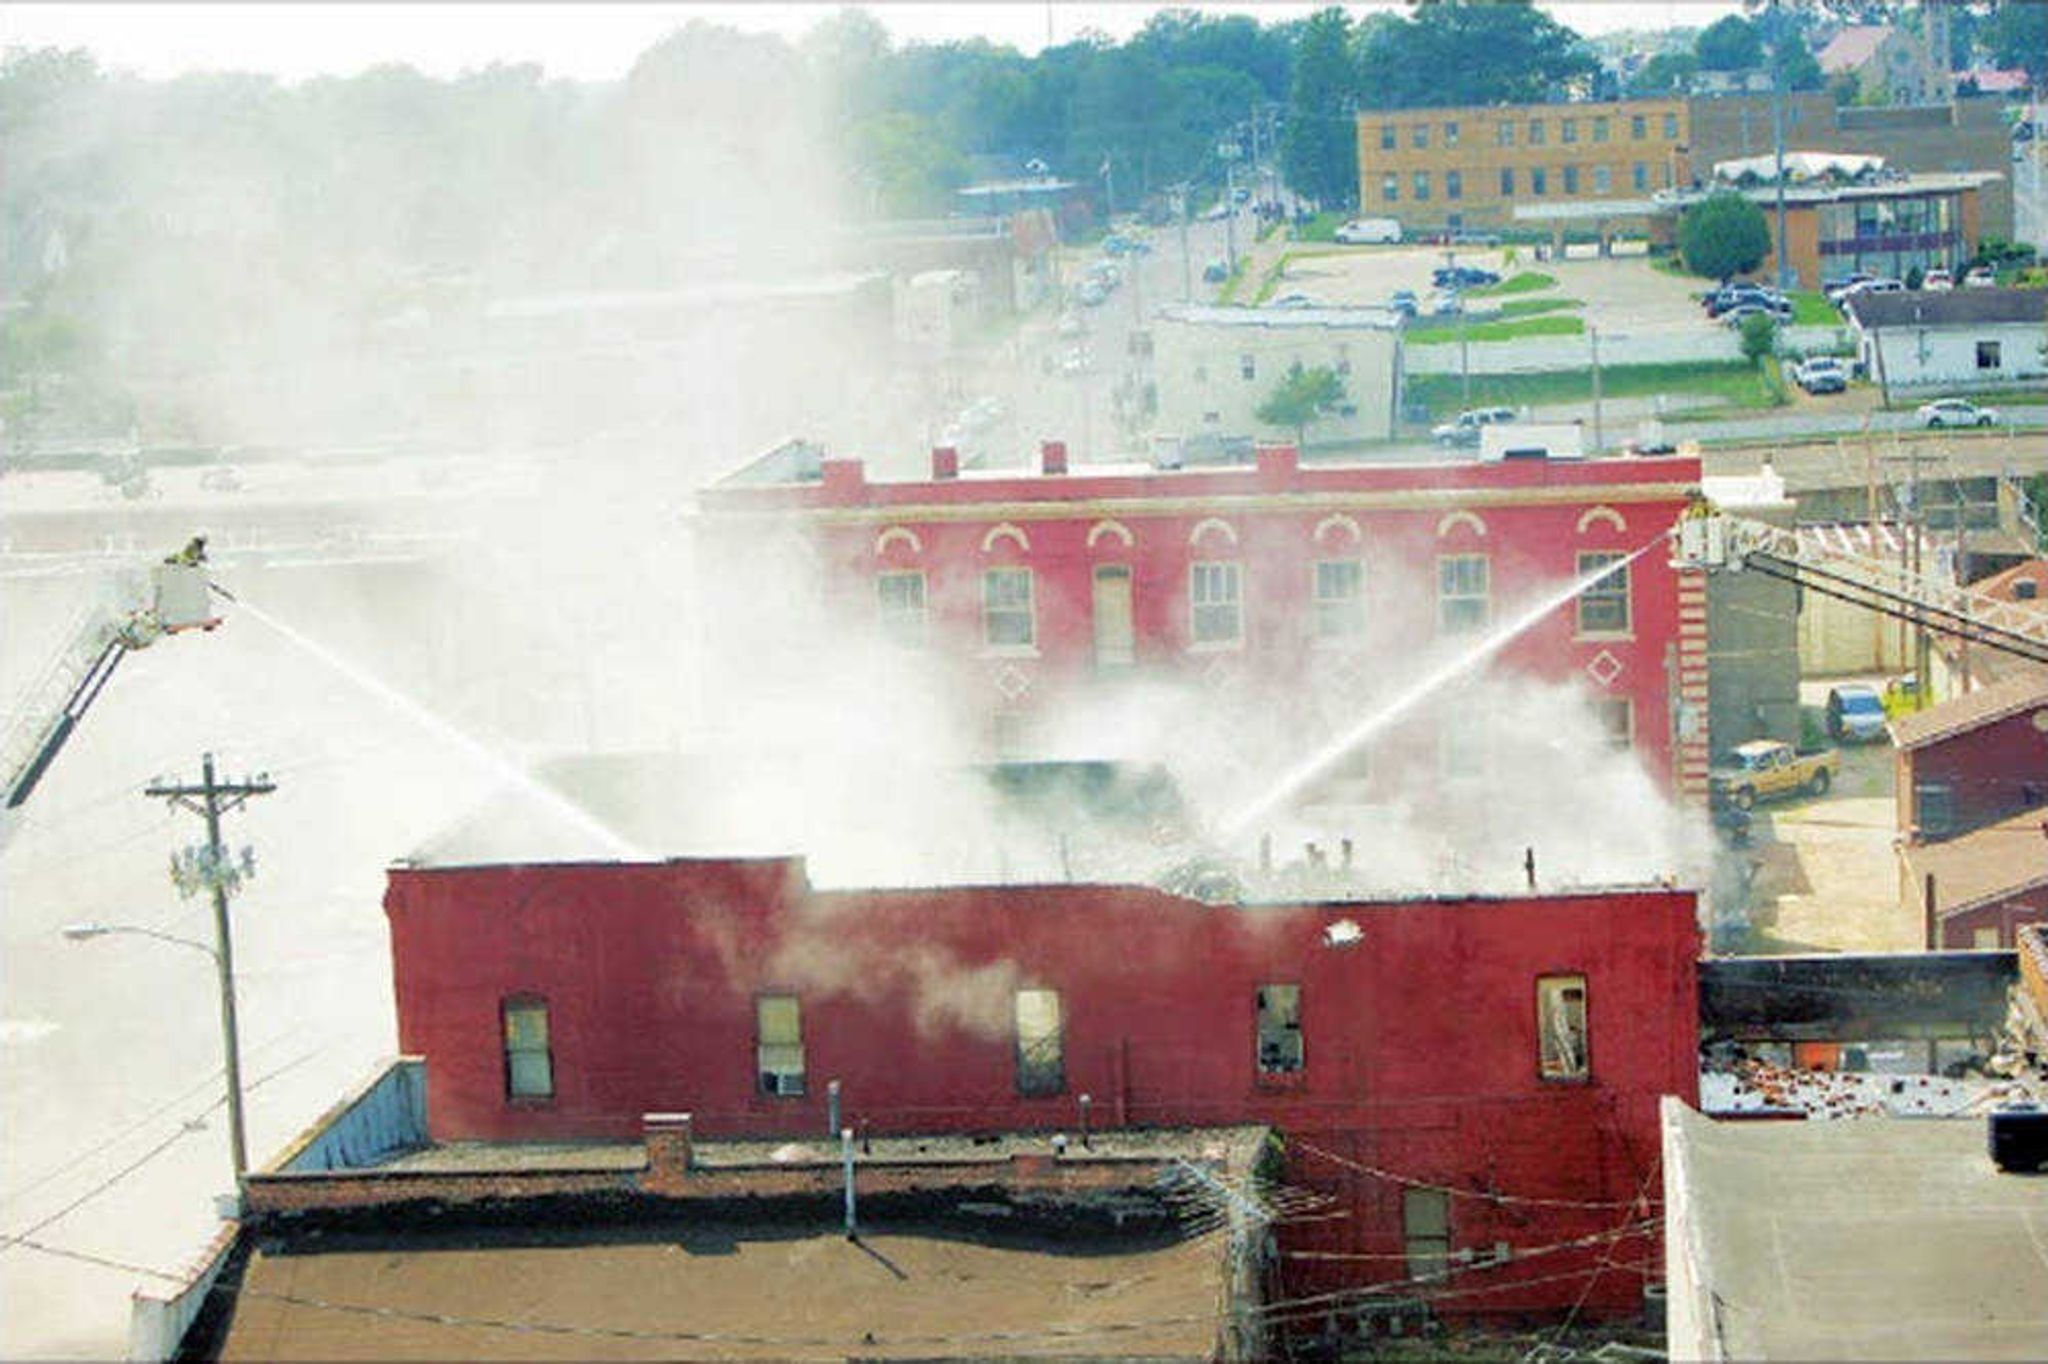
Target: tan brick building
[1470, 167]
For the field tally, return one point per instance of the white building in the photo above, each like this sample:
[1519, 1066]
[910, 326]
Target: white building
[1968, 336]
[1215, 366]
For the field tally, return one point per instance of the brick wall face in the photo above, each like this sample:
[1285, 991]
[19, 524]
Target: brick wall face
[1421, 1047]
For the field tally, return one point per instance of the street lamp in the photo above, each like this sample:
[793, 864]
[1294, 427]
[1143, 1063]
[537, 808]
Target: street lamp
[230, 1039]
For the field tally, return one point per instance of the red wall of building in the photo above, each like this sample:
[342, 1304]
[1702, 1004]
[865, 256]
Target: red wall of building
[1421, 1044]
[1533, 520]
[1958, 932]
[1993, 771]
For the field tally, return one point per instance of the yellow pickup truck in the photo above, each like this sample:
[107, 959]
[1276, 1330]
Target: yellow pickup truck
[1764, 768]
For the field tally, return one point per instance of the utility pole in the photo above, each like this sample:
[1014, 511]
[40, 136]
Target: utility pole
[1593, 336]
[1776, 33]
[1464, 350]
[212, 867]
[1915, 521]
[1229, 151]
[1187, 264]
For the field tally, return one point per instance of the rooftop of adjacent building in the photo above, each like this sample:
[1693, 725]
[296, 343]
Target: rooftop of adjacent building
[803, 464]
[1884, 1238]
[1284, 319]
[1972, 710]
[1894, 185]
[734, 1289]
[1950, 308]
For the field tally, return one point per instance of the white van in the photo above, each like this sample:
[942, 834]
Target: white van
[1370, 231]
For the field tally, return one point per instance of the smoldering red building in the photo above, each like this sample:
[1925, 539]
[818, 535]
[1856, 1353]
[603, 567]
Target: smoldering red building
[1034, 587]
[1474, 1082]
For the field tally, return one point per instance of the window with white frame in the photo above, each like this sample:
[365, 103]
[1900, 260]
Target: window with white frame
[1461, 593]
[1007, 620]
[1214, 603]
[1562, 1047]
[1339, 598]
[1603, 607]
[778, 1023]
[899, 606]
[1279, 1029]
[529, 1062]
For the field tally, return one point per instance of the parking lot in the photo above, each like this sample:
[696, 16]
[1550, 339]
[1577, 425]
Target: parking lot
[1620, 294]
[1825, 875]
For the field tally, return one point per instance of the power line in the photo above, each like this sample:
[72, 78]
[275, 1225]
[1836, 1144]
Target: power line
[1480, 1194]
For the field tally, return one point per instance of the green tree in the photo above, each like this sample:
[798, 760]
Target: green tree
[2019, 38]
[1794, 64]
[1667, 73]
[1729, 44]
[1759, 337]
[1302, 398]
[1319, 152]
[1723, 235]
[1450, 54]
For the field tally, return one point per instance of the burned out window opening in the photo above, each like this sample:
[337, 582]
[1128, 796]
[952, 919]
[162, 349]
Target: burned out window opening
[1279, 1029]
[529, 1061]
[778, 1026]
[1041, 1043]
[1562, 1048]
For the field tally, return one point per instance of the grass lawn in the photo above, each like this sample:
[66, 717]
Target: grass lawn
[1498, 331]
[1321, 228]
[1230, 286]
[1529, 307]
[1813, 310]
[1275, 272]
[1528, 281]
[1734, 382]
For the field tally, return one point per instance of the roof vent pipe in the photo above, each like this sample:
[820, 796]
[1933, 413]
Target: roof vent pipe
[1053, 456]
[945, 462]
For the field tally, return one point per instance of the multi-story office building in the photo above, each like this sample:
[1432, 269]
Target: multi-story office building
[1469, 168]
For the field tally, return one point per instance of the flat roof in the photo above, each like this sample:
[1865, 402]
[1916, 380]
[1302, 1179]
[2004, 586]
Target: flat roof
[1879, 1238]
[727, 1290]
[1951, 308]
[1677, 201]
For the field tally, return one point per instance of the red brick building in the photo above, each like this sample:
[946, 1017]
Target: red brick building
[1474, 1081]
[1326, 579]
[1972, 778]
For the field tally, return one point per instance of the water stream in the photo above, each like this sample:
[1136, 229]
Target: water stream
[493, 762]
[1330, 754]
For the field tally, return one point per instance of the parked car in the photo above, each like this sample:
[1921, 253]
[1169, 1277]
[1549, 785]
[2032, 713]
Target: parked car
[1463, 277]
[1855, 713]
[1869, 286]
[1742, 312]
[1980, 277]
[1719, 304]
[1938, 281]
[1369, 231]
[1464, 238]
[1954, 412]
[1821, 374]
[1764, 768]
[1215, 272]
[1092, 292]
[1464, 428]
[1293, 300]
[1403, 302]
[1834, 287]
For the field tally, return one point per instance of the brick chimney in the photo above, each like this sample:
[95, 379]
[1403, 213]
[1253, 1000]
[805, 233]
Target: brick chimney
[945, 461]
[1053, 456]
[670, 1148]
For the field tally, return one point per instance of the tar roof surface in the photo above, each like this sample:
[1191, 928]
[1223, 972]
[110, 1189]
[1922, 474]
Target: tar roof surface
[730, 1291]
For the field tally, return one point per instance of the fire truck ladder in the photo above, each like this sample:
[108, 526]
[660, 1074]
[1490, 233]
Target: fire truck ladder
[57, 700]
[1716, 542]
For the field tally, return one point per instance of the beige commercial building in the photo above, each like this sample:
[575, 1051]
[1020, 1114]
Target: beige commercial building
[1213, 367]
[1468, 168]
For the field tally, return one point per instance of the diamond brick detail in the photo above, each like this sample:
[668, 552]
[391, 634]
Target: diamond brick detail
[1604, 668]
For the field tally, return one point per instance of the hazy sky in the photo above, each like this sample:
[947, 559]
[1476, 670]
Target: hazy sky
[597, 41]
